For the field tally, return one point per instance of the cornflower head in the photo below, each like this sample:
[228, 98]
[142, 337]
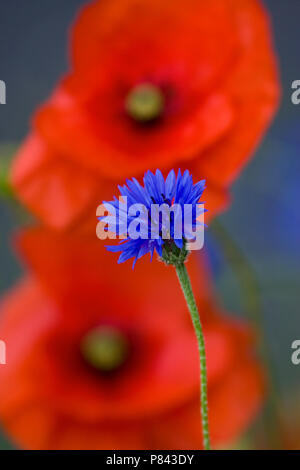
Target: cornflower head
[176, 200]
[162, 216]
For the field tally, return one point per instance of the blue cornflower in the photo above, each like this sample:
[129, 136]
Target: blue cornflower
[165, 211]
[168, 218]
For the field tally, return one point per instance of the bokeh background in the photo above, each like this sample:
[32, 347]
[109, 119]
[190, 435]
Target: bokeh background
[264, 219]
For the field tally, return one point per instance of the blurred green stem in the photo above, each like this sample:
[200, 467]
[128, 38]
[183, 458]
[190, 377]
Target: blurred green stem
[191, 302]
[250, 288]
[5, 187]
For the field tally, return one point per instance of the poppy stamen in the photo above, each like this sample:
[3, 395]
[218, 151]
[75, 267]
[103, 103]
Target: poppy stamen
[105, 348]
[145, 102]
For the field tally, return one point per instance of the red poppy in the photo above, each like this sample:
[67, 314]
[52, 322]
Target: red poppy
[61, 390]
[154, 84]
[56, 190]
[63, 194]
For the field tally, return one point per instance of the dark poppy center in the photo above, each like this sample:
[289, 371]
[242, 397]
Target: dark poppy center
[105, 348]
[145, 102]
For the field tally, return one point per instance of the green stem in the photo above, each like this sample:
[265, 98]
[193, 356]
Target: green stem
[190, 299]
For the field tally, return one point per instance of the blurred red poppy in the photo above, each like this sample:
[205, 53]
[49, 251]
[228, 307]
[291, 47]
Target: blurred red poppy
[64, 195]
[153, 84]
[98, 360]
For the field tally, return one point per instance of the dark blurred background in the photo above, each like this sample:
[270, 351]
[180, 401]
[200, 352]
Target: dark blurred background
[264, 218]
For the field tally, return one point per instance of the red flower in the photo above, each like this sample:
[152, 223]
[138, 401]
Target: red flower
[154, 85]
[62, 389]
